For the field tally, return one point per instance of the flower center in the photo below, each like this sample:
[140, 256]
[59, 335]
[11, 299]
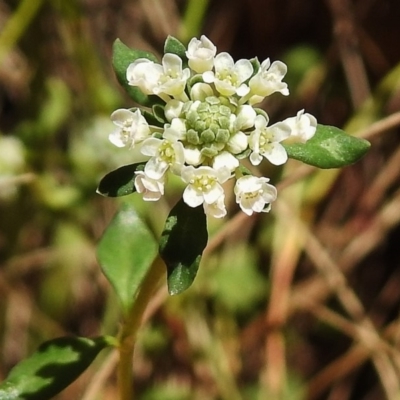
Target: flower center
[228, 76]
[266, 140]
[209, 125]
[166, 152]
[252, 195]
[203, 183]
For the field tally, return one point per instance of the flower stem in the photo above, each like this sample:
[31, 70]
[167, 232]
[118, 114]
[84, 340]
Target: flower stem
[130, 327]
[193, 19]
[17, 24]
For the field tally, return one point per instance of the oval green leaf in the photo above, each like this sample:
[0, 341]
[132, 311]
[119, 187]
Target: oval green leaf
[126, 252]
[181, 245]
[174, 46]
[123, 56]
[330, 147]
[55, 365]
[119, 182]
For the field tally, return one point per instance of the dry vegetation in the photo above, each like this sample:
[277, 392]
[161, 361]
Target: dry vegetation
[300, 304]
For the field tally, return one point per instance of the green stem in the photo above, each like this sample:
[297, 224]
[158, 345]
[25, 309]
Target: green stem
[192, 19]
[127, 337]
[17, 25]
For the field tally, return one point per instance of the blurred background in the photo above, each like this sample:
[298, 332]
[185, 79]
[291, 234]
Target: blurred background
[302, 303]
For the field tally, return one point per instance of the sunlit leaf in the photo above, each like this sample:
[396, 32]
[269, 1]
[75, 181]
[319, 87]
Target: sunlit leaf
[126, 252]
[181, 245]
[123, 56]
[55, 365]
[119, 182]
[329, 148]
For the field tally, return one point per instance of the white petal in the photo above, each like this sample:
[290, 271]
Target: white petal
[214, 194]
[216, 209]
[277, 155]
[227, 160]
[238, 143]
[191, 197]
[200, 91]
[173, 109]
[120, 116]
[244, 69]
[255, 158]
[150, 146]
[155, 169]
[116, 138]
[246, 116]
[223, 61]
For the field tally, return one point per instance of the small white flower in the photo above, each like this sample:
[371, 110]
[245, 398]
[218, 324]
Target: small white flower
[268, 80]
[173, 109]
[144, 74]
[229, 76]
[225, 160]
[132, 128]
[264, 141]
[151, 189]
[152, 78]
[245, 117]
[200, 91]
[164, 154]
[238, 143]
[254, 194]
[201, 54]
[173, 79]
[204, 184]
[176, 130]
[193, 155]
[303, 126]
[216, 209]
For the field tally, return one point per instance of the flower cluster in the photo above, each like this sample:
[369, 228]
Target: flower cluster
[208, 124]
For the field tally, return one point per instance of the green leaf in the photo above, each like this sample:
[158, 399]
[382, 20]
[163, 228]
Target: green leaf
[330, 147]
[123, 56]
[159, 114]
[120, 182]
[126, 252]
[174, 46]
[181, 245]
[55, 365]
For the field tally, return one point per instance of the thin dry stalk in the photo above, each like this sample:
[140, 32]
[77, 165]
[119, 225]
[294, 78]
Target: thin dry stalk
[337, 283]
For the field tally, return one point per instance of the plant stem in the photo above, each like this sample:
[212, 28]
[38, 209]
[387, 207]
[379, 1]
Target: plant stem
[192, 19]
[17, 24]
[131, 325]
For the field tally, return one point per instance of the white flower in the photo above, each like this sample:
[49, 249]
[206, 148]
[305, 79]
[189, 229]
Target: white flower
[173, 109]
[238, 143]
[152, 189]
[144, 74]
[176, 130]
[153, 78]
[164, 154]
[173, 79]
[216, 209]
[204, 184]
[264, 141]
[268, 80]
[201, 54]
[132, 128]
[193, 155]
[302, 125]
[254, 194]
[200, 91]
[225, 160]
[229, 76]
[245, 117]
